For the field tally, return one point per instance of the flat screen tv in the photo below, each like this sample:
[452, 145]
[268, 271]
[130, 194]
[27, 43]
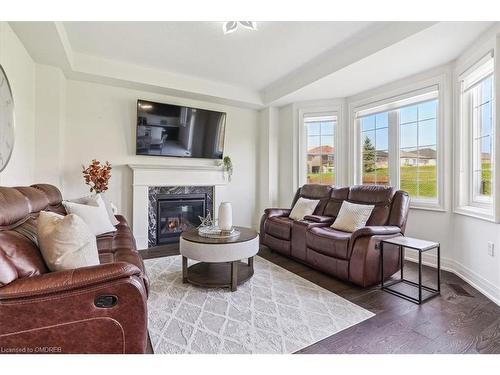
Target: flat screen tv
[172, 130]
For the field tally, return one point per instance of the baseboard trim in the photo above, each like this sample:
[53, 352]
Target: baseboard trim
[485, 287]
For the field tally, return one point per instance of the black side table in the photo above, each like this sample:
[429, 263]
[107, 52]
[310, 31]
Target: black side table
[421, 246]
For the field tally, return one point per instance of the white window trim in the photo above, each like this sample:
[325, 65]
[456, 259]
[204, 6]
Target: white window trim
[419, 89]
[319, 111]
[464, 204]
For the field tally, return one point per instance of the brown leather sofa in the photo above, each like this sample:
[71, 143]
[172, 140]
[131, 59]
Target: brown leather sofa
[353, 257]
[98, 309]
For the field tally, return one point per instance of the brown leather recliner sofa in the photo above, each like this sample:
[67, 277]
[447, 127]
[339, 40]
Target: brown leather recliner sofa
[353, 257]
[98, 309]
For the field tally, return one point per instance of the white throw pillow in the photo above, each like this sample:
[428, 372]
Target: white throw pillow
[94, 200]
[66, 242]
[96, 217]
[303, 207]
[352, 216]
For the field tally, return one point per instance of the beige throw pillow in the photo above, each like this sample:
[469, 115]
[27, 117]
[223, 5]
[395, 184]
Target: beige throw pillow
[96, 217]
[66, 242]
[95, 200]
[303, 207]
[352, 216]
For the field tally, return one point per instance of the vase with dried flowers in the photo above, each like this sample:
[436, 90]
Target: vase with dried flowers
[97, 176]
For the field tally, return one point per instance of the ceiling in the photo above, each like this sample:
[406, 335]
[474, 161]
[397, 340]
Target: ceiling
[281, 62]
[253, 59]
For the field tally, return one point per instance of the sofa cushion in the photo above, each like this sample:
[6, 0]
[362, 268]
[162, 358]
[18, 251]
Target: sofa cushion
[66, 242]
[329, 241]
[95, 200]
[279, 227]
[352, 216]
[303, 207]
[96, 217]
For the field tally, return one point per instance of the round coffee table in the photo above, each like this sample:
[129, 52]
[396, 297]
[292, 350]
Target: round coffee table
[219, 259]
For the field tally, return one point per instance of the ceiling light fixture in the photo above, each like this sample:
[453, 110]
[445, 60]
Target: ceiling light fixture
[231, 26]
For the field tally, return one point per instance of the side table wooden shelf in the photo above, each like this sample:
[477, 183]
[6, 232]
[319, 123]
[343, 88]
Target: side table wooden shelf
[420, 246]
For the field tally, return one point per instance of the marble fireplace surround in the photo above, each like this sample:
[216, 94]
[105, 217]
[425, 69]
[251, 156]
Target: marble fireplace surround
[155, 192]
[146, 176]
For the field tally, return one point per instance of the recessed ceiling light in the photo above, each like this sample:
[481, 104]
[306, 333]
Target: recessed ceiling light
[231, 26]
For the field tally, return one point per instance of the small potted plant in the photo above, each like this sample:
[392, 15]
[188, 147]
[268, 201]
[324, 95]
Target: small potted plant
[228, 166]
[97, 176]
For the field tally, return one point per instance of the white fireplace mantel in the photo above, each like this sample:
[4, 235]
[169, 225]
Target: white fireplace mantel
[146, 175]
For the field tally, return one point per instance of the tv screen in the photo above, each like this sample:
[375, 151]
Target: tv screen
[172, 130]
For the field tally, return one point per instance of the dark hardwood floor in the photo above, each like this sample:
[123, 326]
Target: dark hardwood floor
[461, 320]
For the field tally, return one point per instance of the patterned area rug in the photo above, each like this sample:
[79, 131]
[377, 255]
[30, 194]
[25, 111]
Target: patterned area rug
[275, 311]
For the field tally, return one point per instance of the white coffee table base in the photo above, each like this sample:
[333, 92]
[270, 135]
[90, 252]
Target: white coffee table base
[219, 264]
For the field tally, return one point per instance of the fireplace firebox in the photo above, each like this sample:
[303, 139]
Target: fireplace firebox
[177, 213]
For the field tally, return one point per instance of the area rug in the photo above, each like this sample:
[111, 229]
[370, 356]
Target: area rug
[275, 311]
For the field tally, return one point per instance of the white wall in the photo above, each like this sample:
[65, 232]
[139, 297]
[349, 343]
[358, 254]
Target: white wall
[287, 154]
[100, 123]
[268, 159]
[50, 111]
[20, 70]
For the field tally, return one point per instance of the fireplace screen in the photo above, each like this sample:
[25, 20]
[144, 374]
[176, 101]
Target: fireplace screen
[176, 213]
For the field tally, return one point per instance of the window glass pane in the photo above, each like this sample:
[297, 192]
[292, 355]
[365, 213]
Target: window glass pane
[408, 114]
[368, 123]
[486, 120]
[374, 146]
[313, 128]
[313, 143]
[427, 133]
[382, 139]
[368, 158]
[408, 160]
[327, 144]
[482, 100]
[487, 90]
[427, 172]
[382, 168]
[485, 186]
[313, 169]
[408, 135]
[382, 120]
[327, 128]
[328, 173]
[427, 110]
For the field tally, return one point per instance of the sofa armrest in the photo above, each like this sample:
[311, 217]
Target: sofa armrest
[271, 212]
[54, 282]
[375, 231]
[320, 219]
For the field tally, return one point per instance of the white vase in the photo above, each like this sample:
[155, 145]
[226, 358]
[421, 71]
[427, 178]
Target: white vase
[225, 216]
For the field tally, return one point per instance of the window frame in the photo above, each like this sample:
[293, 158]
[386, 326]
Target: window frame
[433, 88]
[319, 111]
[465, 200]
